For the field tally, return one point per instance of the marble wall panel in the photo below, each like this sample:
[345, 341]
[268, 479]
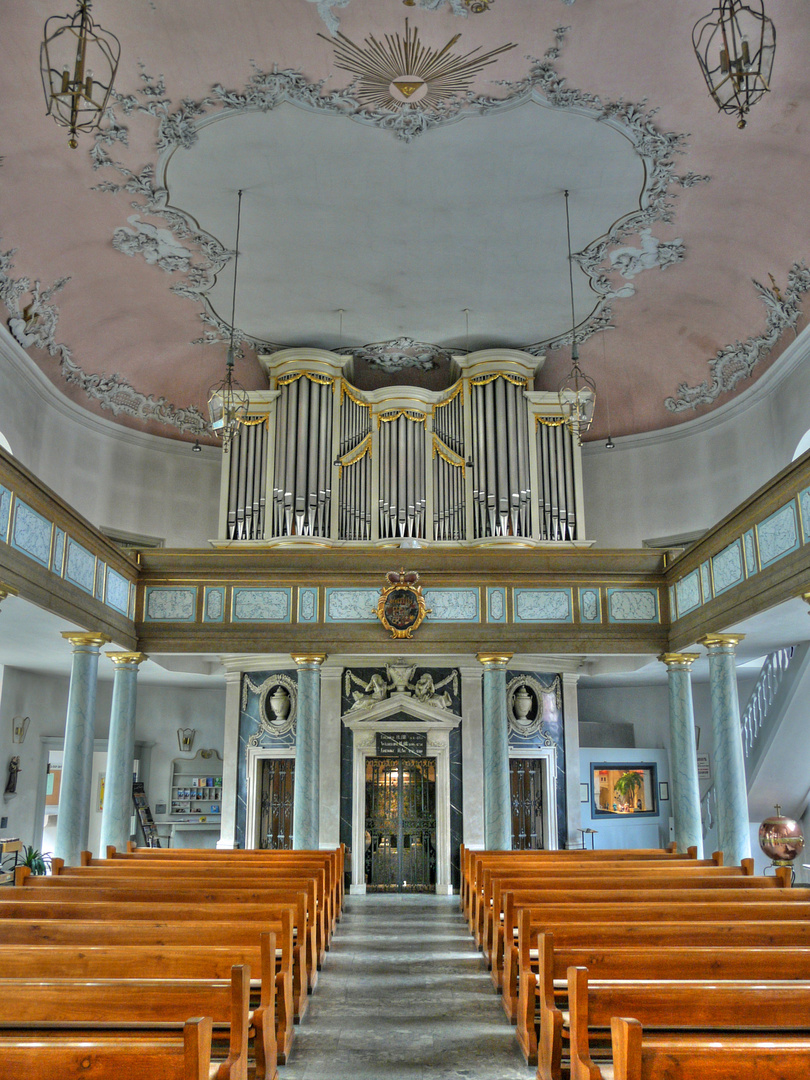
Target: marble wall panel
[804, 503]
[706, 581]
[307, 605]
[727, 567]
[590, 607]
[5, 512]
[214, 604]
[170, 604]
[351, 605]
[750, 549]
[100, 575]
[778, 534]
[261, 605]
[452, 605]
[543, 605]
[58, 560]
[31, 534]
[117, 591]
[688, 593]
[80, 566]
[456, 804]
[632, 605]
[496, 605]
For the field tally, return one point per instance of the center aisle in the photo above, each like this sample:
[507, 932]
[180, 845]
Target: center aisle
[404, 993]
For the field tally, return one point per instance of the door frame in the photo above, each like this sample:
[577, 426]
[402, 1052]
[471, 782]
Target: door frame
[411, 760]
[253, 816]
[548, 756]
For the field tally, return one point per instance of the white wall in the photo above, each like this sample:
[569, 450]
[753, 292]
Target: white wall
[160, 711]
[688, 478]
[114, 476]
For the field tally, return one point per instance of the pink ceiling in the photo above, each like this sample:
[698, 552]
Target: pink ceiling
[117, 315]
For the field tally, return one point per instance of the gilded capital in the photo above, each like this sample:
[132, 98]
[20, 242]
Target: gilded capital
[494, 659]
[77, 638]
[7, 590]
[679, 659]
[805, 596]
[119, 658]
[721, 641]
[308, 658]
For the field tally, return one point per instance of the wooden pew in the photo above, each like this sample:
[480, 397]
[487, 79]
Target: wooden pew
[130, 1010]
[776, 1007]
[186, 1058]
[222, 941]
[27, 904]
[36, 965]
[637, 1056]
[715, 950]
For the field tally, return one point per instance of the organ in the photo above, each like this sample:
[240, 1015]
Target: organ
[485, 461]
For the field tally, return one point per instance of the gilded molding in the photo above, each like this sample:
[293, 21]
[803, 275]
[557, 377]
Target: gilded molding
[308, 658]
[121, 658]
[721, 641]
[78, 638]
[494, 659]
[806, 598]
[675, 659]
[7, 590]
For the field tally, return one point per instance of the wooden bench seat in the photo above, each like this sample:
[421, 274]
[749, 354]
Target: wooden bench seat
[132, 1010]
[676, 1006]
[186, 1056]
[709, 1056]
[720, 951]
[222, 940]
[110, 965]
[35, 909]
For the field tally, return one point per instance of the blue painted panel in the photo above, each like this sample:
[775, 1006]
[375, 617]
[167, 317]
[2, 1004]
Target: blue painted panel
[590, 606]
[687, 592]
[496, 605]
[214, 604]
[100, 575]
[706, 581]
[632, 605]
[5, 512]
[31, 533]
[453, 605]
[261, 605]
[750, 547]
[57, 563]
[117, 591]
[351, 605]
[543, 605]
[170, 604]
[778, 534]
[307, 605]
[80, 566]
[727, 567]
[804, 503]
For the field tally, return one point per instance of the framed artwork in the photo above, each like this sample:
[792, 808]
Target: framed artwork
[584, 793]
[624, 789]
[663, 791]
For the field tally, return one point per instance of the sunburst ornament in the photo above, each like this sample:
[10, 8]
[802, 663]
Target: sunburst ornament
[400, 72]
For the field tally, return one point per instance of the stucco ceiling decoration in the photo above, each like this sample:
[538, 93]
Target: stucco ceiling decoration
[624, 172]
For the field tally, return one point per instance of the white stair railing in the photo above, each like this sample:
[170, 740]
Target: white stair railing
[756, 711]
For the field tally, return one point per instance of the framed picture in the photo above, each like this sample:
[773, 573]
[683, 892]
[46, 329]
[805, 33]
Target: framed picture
[624, 789]
[663, 791]
[584, 793]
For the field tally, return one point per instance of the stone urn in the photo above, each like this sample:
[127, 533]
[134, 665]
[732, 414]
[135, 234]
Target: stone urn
[280, 704]
[781, 838]
[522, 705]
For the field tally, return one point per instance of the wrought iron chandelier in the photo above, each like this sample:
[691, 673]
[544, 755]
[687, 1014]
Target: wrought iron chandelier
[78, 61]
[228, 402]
[577, 391]
[735, 45]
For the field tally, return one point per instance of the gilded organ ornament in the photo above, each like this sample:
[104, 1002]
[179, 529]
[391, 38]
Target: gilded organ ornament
[401, 607]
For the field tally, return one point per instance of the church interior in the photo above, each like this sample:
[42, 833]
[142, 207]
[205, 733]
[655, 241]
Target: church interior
[404, 430]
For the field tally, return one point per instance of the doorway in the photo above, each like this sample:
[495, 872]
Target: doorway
[528, 796]
[276, 802]
[400, 833]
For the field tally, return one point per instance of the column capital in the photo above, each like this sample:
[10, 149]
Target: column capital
[308, 658]
[679, 659]
[77, 638]
[119, 658]
[7, 590]
[721, 641]
[494, 659]
[805, 595]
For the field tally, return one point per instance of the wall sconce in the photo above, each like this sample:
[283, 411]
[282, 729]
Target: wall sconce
[185, 737]
[19, 728]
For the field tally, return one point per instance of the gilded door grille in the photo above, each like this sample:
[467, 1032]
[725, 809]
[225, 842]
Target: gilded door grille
[400, 825]
[278, 784]
[526, 789]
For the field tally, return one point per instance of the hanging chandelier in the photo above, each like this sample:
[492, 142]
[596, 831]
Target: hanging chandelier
[735, 45]
[78, 61]
[577, 391]
[228, 402]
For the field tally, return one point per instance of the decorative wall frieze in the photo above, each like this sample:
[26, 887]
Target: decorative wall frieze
[402, 352]
[735, 362]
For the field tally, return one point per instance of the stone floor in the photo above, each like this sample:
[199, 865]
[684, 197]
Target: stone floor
[404, 993]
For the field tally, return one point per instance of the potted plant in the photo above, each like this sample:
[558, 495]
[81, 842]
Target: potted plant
[628, 786]
[38, 862]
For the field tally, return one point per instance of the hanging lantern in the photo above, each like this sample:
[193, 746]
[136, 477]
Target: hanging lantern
[78, 61]
[577, 391]
[735, 45]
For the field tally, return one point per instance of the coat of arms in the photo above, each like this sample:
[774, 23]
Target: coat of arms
[401, 607]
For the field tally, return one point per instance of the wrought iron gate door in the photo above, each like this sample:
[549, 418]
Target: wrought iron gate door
[278, 783]
[400, 824]
[526, 789]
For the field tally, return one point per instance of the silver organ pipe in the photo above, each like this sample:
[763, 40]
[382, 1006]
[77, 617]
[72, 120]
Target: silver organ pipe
[481, 424]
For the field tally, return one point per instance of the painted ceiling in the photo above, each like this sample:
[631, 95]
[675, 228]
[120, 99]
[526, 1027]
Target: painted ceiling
[403, 167]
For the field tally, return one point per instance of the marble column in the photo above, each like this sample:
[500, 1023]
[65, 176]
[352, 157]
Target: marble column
[573, 777]
[683, 775]
[306, 797]
[729, 759]
[117, 808]
[230, 762]
[73, 822]
[497, 800]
